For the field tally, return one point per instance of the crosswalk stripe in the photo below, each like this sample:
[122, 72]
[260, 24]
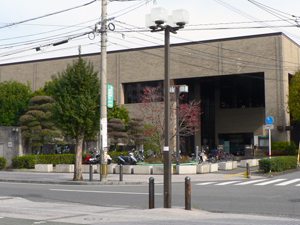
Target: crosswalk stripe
[229, 182]
[206, 183]
[269, 182]
[288, 182]
[251, 182]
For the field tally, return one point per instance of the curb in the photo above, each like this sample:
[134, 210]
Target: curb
[75, 182]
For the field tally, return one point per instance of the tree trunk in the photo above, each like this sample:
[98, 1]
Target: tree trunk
[78, 158]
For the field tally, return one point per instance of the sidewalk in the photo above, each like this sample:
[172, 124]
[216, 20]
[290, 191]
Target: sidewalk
[29, 176]
[14, 209]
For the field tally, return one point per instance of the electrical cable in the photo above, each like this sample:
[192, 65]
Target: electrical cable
[50, 14]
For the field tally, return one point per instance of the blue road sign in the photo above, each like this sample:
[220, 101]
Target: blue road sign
[269, 120]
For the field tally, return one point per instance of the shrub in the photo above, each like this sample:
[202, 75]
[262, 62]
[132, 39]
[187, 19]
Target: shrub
[55, 159]
[3, 162]
[26, 161]
[278, 164]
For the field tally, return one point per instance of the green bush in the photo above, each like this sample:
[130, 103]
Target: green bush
[55, 159]
[21, 162]
[278, 164]
[3, 162]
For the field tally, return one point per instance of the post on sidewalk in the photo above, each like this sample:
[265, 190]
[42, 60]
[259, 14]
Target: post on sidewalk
[91, 172]
[188, 193]
[121, 172]
[151, 193]
[248, 170]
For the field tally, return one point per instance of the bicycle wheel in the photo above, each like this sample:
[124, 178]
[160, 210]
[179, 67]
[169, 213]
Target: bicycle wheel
[229, 157]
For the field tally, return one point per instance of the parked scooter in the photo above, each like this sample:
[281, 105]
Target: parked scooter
[203, 157]
[140, 157]
[95, 158]
[127, 160]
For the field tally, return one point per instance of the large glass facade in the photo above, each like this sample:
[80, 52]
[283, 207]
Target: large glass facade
[242, 91]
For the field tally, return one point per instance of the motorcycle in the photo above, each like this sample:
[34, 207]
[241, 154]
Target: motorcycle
[95, 158]
[140, 157]
[203, 157]
[127, 160]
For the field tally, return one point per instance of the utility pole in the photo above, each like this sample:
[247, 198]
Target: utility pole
[103, 92]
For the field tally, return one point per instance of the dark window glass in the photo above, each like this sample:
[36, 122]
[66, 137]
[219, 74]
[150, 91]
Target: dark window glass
[242, 91]
[133, 91]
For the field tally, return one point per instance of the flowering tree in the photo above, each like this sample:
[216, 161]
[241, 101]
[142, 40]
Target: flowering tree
[152, 111]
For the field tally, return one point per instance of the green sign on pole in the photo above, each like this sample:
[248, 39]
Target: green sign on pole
[110, 96]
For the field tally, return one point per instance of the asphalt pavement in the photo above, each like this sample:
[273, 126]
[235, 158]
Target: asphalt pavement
[16, 209]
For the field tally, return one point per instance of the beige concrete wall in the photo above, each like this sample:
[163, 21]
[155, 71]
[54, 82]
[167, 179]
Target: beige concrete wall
[275, 55]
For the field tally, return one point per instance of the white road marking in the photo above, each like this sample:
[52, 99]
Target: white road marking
[288, 182]
[206, 183]
[229, 182]
[106, 192]
[269, 182]
[251, 182]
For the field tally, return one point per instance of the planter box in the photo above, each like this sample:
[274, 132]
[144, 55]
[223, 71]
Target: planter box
[43, 168]
[213, 167]
[186, 169]
[159, 170]
[111, 169]
[234, 165]
[86, 168]
[142, 169]
[127, 169]
[244, 162]
[65, 168]
[225, 166]
[255, 162]
[203, 168]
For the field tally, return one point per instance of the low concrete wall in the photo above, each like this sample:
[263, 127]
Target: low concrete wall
[43, 167]
[111, 168]
[65, 168]
[127, 169]
[202, 168]
[159, 170]
[244, 162]
[142, 169]
[213, 167]
[186, 169]
[234, 165]
[225, 166]
[86, 168]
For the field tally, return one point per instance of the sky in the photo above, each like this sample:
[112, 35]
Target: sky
[31, 25]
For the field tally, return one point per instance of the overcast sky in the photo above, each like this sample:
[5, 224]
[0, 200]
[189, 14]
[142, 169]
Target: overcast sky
[24, 26]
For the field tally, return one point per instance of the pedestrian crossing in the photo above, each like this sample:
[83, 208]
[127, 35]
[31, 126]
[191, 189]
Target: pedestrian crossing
[258, 182]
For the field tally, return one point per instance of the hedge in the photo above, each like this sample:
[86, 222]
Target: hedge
[278, 164]
[29, 161]
[3, 162]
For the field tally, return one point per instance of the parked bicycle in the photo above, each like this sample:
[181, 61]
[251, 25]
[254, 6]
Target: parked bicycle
[224, 156]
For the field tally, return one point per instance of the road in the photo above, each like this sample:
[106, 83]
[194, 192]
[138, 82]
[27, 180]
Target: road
[265, 196]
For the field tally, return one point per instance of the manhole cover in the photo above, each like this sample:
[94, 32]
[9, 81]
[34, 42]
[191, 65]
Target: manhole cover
[294, 200]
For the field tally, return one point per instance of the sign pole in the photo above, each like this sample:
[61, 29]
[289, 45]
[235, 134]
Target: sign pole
[270, 154]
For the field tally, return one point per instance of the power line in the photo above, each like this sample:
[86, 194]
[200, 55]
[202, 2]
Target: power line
[50, 14]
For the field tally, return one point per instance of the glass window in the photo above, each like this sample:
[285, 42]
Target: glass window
[133, 91]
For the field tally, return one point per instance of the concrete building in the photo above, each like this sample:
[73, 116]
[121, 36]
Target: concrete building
[239, 80]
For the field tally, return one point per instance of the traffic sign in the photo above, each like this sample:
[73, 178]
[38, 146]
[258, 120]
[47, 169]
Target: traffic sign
[269, 120]
[270, 126]
[110, 96]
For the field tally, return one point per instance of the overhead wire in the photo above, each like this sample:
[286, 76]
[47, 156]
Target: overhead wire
[50, 14]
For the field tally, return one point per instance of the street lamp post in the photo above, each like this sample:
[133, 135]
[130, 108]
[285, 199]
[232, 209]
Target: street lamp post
[178, 89]
[155, 22]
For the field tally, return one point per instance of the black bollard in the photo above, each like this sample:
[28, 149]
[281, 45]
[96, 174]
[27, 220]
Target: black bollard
[188, 193]
[151, 193]
[121, 172]
[248, 170]
[91, 172]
